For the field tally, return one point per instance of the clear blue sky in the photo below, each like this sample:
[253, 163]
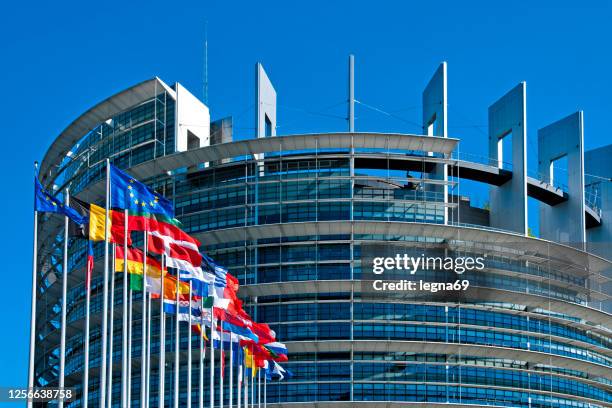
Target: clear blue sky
[60, 58]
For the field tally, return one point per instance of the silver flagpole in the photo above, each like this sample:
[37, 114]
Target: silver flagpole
[221, 366]
[202, 331]
[162, 338]
[258, 388]
[177, 338]
[212, 357]
[189, 349]
[231, 373]
[33, 300]
[252, 380]
[105, 291]
[111, 325]
[143, 352]
[201, 362]
[109, 397]
[124, 331]
[129, 367]
[148, 376]
[265, 391]
[246, 388]
[238, 386]
[86, 345]
[64, 290]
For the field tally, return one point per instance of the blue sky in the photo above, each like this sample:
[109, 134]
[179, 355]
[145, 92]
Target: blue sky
[60, 58]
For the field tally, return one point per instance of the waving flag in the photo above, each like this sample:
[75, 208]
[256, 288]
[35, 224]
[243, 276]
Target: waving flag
[275, 369]
[90, 264]
[135, 267]
[132, 195]
[277, 350]
[97, 220]
[45, 202]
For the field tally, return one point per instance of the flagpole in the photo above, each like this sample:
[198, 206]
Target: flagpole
[148, 376]
[177, 339]
[124, 331]
[221, 366]
[202, 355]
[239, 385]
[258, 388]
[105, 291]
[189, 349]
[143, 349]
[212, 357]
[88, 274]
[265, 391]
[246, 387]
[111, 325]
[129, 356]
[33, 300]
[252, 379]
[162, 338]
[231, 373]
[64, 291]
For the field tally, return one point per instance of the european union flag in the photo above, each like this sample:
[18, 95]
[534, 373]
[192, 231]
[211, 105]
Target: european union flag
[45, 202]
[129, 194]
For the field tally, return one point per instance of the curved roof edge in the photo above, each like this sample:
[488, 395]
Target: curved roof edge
[109, 107]
[336, 140]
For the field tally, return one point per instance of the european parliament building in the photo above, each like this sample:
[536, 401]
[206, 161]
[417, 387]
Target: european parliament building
[294, 217]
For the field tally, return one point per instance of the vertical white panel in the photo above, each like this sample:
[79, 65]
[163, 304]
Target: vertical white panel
[192, 120]
[435, 112]
[265, 103]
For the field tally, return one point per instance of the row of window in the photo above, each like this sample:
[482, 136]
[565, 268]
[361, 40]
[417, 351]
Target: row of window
[422, 313]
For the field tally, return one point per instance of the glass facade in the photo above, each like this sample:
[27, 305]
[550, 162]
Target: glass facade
[346, 346]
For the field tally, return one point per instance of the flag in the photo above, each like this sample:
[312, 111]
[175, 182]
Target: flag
[90, 264]
[45, 202]
[264, 333]
[249, 362]
[199, 329]
[222, 352]
[97, 219]
[184, 308]
[277, 350]
[80, 230]
[128, 193]
[241, 331]
[172, 248]
[279, 371]
[135, 267]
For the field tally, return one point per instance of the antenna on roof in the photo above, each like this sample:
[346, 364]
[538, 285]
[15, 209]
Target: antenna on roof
[205, 90]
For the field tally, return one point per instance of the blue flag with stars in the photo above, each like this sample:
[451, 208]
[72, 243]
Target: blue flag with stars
[130, 194]
[45, 202]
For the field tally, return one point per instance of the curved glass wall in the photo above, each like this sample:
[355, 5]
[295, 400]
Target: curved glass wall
[328, 309]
